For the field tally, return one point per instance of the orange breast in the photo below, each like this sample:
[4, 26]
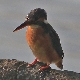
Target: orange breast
[33, 34]
[41, 46]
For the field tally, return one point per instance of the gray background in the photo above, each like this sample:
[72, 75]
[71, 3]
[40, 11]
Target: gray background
[63, 15]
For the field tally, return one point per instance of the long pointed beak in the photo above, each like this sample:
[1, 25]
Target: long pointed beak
[26, 23]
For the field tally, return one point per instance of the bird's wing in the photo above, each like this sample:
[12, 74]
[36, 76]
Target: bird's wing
[55, 40]
[54, 37]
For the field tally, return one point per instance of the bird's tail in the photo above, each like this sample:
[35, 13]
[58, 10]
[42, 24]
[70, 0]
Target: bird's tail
[59, 64]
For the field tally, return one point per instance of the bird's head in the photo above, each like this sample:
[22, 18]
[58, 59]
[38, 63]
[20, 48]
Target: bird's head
[35, 15]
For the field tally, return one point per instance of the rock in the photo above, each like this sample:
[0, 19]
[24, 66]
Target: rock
[19, 70]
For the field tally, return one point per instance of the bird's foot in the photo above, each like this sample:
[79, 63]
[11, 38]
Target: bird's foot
[34, 62]
[44, 67]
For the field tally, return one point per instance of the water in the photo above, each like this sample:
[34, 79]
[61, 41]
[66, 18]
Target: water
[63, 15]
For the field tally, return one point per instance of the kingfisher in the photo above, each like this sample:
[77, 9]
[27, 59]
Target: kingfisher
[42, 39]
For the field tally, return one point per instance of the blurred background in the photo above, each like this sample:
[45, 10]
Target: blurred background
[63, 15]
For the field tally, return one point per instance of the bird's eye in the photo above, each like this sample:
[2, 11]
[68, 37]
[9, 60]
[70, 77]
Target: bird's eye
[27, 18]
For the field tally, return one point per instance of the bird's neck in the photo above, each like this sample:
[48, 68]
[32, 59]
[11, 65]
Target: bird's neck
[34, 26]
[38, 25]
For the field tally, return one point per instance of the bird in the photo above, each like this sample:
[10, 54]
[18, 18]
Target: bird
[42, 39]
